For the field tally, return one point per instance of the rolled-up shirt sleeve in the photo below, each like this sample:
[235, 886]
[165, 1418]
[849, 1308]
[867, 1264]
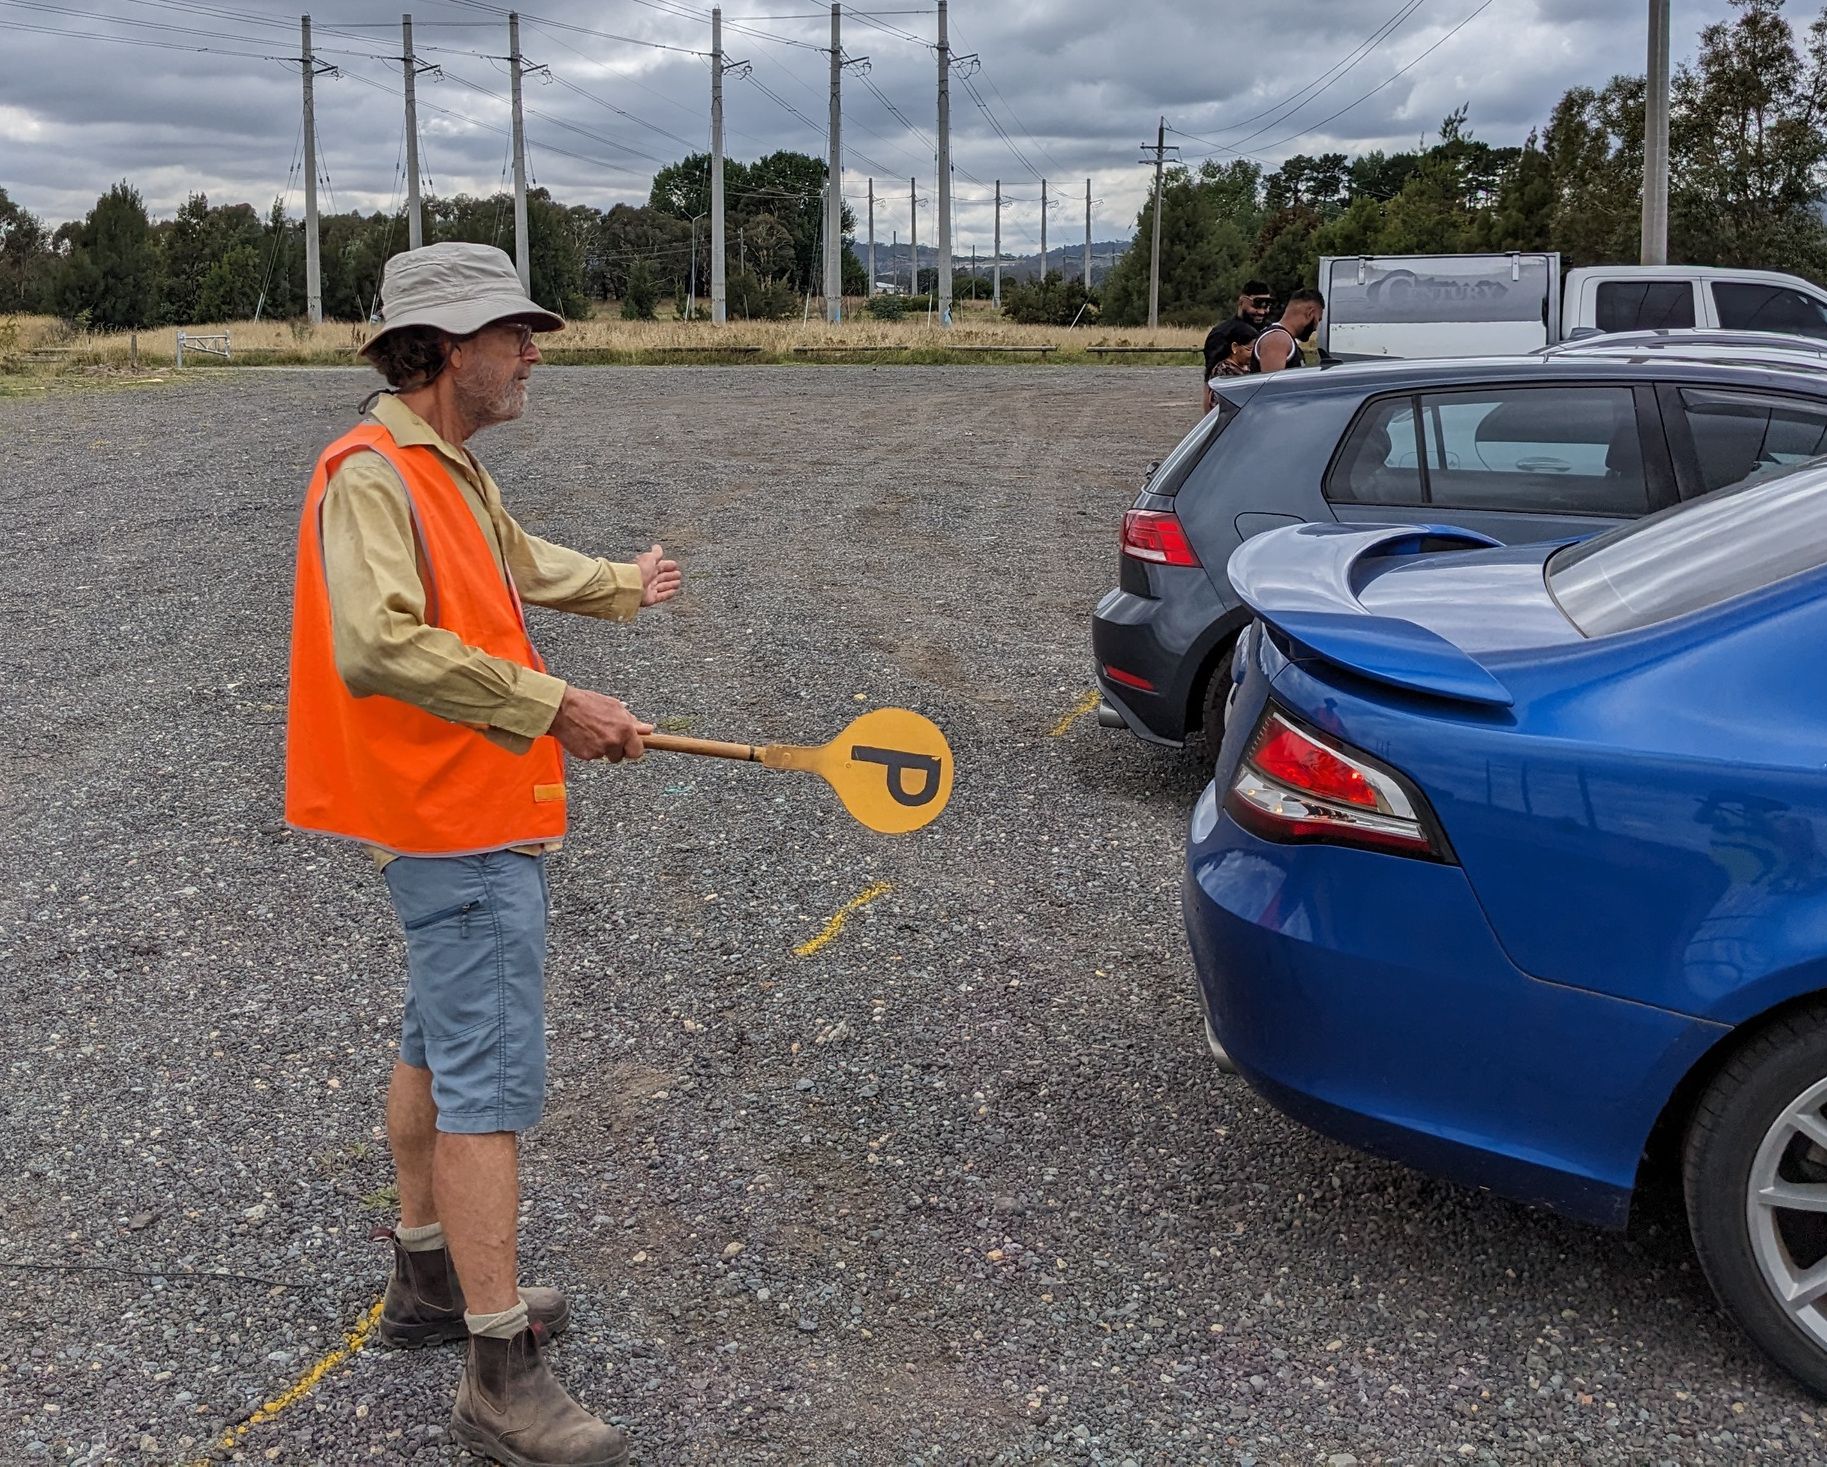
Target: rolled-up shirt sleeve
[384, 645]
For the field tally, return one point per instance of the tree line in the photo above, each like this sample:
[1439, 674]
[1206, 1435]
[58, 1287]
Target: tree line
[1748, 166]
[117, 269]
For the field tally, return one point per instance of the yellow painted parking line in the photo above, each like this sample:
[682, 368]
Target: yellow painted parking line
[300, 1388]
[844, 913]
[1086, 704]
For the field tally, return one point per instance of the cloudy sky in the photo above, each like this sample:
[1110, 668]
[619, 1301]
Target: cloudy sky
[198, 94]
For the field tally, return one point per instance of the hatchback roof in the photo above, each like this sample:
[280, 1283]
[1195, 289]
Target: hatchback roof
[1685, 341]
[1365, 377]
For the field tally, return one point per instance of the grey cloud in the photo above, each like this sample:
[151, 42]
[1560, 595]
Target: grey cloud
[1088, 78]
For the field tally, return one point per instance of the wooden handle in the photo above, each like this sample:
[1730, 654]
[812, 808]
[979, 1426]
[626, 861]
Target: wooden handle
[709, 748]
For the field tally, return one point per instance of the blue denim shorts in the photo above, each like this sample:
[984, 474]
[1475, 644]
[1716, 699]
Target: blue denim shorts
[475, 998]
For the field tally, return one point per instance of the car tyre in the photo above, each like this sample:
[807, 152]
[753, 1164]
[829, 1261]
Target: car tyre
[1213, 699]
[1759, 1129]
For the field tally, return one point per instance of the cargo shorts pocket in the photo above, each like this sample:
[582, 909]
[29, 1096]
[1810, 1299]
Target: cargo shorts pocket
[451, 950]
[475, 948]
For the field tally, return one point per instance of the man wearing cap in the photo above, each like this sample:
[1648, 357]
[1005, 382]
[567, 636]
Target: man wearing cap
[423, 724]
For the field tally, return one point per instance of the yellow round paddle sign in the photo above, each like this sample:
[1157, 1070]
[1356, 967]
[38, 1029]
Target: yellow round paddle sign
[891, 768]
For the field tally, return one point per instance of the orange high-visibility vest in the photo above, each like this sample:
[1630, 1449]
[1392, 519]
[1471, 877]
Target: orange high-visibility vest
[376, 769]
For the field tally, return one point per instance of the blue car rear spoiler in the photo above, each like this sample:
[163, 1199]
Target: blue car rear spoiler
[1303, 582]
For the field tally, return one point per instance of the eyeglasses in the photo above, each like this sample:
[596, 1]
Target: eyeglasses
[523, 334]
[1261, 302]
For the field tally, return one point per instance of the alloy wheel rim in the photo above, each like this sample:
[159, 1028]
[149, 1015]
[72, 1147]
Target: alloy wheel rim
[1786, 1207]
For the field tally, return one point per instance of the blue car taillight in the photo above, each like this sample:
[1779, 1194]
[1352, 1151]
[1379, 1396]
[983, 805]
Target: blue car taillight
[1297, 785]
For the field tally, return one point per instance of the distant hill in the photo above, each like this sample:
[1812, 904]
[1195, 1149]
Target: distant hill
[1067, 256]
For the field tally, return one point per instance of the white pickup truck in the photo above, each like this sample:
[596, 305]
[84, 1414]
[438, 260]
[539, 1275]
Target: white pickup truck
[1485, 305]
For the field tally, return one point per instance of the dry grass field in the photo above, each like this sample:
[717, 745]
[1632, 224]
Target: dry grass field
[43, 344]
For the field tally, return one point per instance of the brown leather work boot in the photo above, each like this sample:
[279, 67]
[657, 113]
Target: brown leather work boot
[424, 1303]
[510, 1409]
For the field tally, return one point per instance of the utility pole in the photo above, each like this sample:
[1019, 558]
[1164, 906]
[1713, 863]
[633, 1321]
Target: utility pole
[1655, 140]
[870, 290]
[523, 259]
[1160, 150]
[1087, 236]
[1043, 231]
[415, 227]
[945, 173]
[913, 236]
[719, 290]
[834, 187]
[996, 263]
[314, 284]
[894, 248]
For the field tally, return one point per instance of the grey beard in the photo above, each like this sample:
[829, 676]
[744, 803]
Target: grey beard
[502, 406]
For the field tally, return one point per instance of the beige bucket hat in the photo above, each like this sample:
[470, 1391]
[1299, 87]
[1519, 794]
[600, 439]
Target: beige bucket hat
[455, 287]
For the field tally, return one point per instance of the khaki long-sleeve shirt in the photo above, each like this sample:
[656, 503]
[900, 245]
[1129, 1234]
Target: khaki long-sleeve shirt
[384, 645]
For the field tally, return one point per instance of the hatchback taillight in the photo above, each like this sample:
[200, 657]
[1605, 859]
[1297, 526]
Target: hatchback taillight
[1298, 785]
[1156, 535]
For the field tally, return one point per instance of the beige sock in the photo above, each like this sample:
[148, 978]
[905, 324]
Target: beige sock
[502, 1326]
[421, 1240]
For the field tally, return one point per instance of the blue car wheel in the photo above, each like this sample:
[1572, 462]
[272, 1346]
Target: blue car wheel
[1755, 1177]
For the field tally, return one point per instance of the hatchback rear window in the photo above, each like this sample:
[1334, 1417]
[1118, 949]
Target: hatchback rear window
[1171, 473]
[1695, 555]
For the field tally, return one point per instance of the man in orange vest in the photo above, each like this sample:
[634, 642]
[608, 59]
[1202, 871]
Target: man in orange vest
[423, 724]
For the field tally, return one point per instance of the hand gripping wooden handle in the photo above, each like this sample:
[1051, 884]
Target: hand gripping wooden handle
[710, 748]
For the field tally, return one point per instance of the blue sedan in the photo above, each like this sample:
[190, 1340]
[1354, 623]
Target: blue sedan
[1515, 868]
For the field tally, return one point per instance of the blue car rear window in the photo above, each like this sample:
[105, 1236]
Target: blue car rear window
[1695, 555]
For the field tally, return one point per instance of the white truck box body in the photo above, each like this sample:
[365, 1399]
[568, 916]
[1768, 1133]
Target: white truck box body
[1439, 305]
[1480, 305]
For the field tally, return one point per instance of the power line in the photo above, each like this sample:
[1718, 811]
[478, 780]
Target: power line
[565, 25]
[1002, 132]
[618, 75]
[1382, 32]
[1385, 33]
[45, 30]
[1026, 132]
[1294, 137]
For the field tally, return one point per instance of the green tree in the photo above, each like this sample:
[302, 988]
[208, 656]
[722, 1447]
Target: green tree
[27, 264]
[1594, 144]
[1379, 175]
[750, 298]
[1285, 256]
[1523, 216]
[556, 244]
[1430, 215]
[1320, 184]
[628, 234]
[1054, 301]
[282, 243]
[1208, 220]
[231, 288]
[1748, 137]
[1358, 231]
[856, 278]
[194, 243]
[111, 280]
[640, 293]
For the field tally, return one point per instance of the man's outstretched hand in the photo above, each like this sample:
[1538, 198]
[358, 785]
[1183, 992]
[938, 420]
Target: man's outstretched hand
[595, 726]
[660, 577]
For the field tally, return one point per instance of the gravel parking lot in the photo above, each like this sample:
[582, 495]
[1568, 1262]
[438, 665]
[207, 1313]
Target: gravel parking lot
[961, 1185]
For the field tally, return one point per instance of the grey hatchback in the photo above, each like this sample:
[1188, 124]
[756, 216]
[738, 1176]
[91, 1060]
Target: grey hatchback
[1523, 448]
